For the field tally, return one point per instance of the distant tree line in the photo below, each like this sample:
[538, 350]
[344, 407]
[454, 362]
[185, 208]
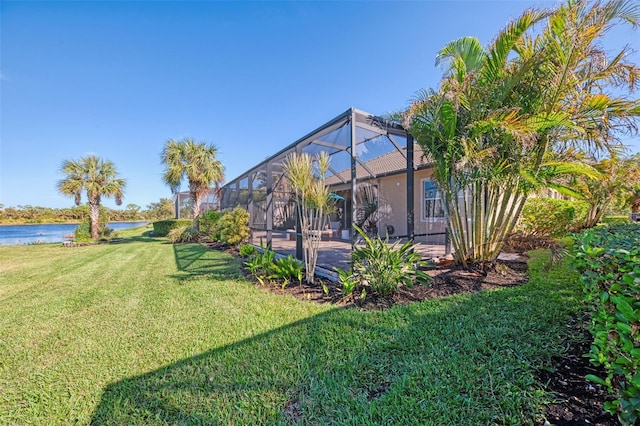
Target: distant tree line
[163, 209]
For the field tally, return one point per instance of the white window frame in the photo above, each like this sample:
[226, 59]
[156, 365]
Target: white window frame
[423, 199]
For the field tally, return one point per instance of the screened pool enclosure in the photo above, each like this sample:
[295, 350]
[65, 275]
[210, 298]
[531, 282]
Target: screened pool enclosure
[379, 180]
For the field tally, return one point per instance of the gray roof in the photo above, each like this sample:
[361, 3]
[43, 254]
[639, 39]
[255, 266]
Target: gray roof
[388, 164]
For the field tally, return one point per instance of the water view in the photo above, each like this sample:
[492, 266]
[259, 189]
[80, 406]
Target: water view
[48, 233]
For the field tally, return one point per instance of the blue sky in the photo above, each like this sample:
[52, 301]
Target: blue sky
[117, 79]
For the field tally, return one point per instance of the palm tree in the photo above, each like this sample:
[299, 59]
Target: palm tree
[198, 163]
[619, 179]
[503, 114]
[98, 178]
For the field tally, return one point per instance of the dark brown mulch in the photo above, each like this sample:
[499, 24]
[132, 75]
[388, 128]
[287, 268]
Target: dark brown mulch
[447, 281]
[578, 402]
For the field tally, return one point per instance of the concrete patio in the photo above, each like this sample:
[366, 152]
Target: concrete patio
[333, 252]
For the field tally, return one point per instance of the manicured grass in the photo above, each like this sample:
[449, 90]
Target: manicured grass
[142, 332]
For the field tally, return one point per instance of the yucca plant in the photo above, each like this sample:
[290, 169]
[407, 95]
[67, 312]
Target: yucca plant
[306, 176]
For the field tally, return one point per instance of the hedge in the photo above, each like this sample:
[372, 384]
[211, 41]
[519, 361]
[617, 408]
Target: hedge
[162, 227]
[549, 217]
[615, 220]
[608, 259]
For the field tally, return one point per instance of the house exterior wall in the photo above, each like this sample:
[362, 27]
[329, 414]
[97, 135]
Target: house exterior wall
[392, 208]
[392, 205]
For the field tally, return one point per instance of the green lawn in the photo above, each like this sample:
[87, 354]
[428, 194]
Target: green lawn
[143, 332]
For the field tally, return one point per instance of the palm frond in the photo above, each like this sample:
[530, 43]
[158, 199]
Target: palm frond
[508, 39]
[462, 56]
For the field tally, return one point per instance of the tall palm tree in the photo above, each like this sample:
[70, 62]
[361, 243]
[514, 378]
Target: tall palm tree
[502, 114]
[198, 163]
[98, 177]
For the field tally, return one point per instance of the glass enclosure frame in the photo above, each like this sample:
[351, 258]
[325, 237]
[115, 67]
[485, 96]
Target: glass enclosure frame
[370, 156]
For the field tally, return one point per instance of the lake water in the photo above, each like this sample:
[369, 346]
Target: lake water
[48, 233]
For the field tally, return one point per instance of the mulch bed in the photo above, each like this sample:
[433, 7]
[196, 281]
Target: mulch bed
[578, 402]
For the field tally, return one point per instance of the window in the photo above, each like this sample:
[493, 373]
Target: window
[431, 205]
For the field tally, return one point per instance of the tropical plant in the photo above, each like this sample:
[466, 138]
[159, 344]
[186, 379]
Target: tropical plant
[234, 226]
[260, 264]
[608, 259]
[98, 178]
[247, 250]
[348, 282]
[383, 267]
[184, 234]
[285, 269]
[503, 115]
[306, 177]
[619, 179]
[198, 163]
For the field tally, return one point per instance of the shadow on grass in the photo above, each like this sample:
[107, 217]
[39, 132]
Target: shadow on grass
[194, 260]
[146, 237]
[461, 360]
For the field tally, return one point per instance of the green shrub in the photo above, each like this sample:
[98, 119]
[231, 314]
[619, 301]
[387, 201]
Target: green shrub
[184, 234]
[286, 269]
[608, 259]
[581, 209]
[548, 217]
[234, 226]
[162, 227]
[615, 220]
[208, 223]
[247, 250]
[82, 233]
[383, 267]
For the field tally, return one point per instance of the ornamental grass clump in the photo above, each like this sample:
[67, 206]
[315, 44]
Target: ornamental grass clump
[608, 259]
[184, 234]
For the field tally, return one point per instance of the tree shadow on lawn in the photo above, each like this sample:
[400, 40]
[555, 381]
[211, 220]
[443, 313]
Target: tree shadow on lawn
[461, 360]
[146, 237]
[194, 260]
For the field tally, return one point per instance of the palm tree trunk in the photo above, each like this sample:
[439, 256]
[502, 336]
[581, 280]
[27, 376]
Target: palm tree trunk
[594, 215]
[94, 214]
[197, 202]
